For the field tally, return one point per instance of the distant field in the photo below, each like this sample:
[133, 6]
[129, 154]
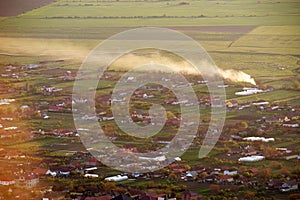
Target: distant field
[270, 39]
[262, 40]
[88, 19]
[16, 7]
[270, 96]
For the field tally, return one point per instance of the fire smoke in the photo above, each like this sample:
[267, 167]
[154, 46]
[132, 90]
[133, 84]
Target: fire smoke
[236, 76]
[128, 61]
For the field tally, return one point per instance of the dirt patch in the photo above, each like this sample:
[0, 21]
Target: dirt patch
[16, 7]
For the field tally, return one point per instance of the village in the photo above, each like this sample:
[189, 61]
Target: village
[257, 153]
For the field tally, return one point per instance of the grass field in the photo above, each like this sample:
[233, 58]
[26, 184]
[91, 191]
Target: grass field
[86, 19]
[275, 39]
[271, 96]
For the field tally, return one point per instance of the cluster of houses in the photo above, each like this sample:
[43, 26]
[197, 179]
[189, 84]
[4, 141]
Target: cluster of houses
[84, 166]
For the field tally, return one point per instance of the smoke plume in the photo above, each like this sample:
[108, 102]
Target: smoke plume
[129, 61]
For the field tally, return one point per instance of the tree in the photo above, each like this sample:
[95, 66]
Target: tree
[202, 175]
[270, 152]
[151, 184]
[265, 173]
[275, 165]
[236, 176]
[244, 124]
[108, 186]
[172, 176]
[249, 195]
[243, 169]
[285, 171]
[170, 115]
[296, 171]
[187, 167]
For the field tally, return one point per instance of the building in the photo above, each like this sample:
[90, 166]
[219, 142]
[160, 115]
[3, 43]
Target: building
[27, 180]
[6, 180]
[189, 195]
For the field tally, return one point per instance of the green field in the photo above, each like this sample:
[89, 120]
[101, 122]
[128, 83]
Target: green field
[90, 19]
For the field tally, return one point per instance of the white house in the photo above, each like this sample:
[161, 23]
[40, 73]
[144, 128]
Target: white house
[263, 139]
[116, 178]
[291, 124]
[251, 158]
[230, 172]
[6, 180]
[289, 186]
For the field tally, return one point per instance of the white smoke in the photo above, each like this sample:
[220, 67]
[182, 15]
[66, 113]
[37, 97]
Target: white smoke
[129, 61]
[236, 76]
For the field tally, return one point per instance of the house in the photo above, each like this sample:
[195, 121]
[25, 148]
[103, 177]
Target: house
[263, 139]
[76, 165]
[91, 175]
[27, 180]
[189, 195]
[65, 132]
[51, 172]
[210, 178]
[191, 174]
[33, 66]
[6, 180]
[64, 171]
[275, 184]
[291, 124]
[289, 186]
[153, 196]
[260, 103]
[249, 151]
[231, 103]
[291, 157]
[14, 154]
[55, 109]
[131, 79]
[251, 158]
[175, 167]
[92, 162]
[7, 134]
[40, 171]
[254, 171]
[230, 172]
[233, 150]
[236, 137]
[116, 178]
[226, 178]
[122, 197]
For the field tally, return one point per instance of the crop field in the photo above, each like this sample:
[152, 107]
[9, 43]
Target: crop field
[86, 19]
